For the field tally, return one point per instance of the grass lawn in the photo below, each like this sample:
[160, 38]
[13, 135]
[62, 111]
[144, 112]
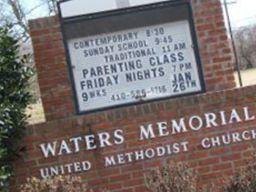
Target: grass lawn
[248, 77]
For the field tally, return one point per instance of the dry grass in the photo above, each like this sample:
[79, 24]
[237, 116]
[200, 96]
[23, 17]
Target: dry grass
[248, 77]
[36, 113]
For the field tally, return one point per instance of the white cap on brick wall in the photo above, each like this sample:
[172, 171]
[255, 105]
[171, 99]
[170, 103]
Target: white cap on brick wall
[81, 7]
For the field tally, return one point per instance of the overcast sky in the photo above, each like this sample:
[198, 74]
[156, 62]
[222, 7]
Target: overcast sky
[242, 12]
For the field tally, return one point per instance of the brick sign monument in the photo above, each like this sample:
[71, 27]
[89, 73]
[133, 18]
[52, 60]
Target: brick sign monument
[127, 90]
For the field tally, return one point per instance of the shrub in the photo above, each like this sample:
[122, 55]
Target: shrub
[14, 97]
[56, 184]
[175, 177]
[178, 177]
[172, 178]
[244, 180]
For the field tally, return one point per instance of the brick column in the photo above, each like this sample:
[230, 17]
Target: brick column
[214, 44]
[52, 68]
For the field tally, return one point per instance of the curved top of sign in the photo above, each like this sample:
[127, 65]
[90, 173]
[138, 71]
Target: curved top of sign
[74, 8]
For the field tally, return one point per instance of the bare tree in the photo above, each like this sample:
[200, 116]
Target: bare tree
[16, 14]
[52, 6]
[245, 39]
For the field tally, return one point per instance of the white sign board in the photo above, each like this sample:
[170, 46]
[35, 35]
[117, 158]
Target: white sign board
[134, 65]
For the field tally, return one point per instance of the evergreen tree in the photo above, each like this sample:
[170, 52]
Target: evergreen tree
[14, 98]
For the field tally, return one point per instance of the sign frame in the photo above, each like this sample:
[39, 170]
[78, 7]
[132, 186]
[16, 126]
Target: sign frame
[116, 13]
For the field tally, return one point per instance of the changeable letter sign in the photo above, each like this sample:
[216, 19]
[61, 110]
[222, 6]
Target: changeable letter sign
[132, 55]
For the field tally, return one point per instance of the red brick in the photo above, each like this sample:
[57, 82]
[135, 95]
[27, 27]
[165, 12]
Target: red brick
[62, 123]
[232, 157]
[209, 161]
[221, 166]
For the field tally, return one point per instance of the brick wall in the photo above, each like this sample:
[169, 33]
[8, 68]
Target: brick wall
[52, 69]
[211, 163]
[62, 123]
